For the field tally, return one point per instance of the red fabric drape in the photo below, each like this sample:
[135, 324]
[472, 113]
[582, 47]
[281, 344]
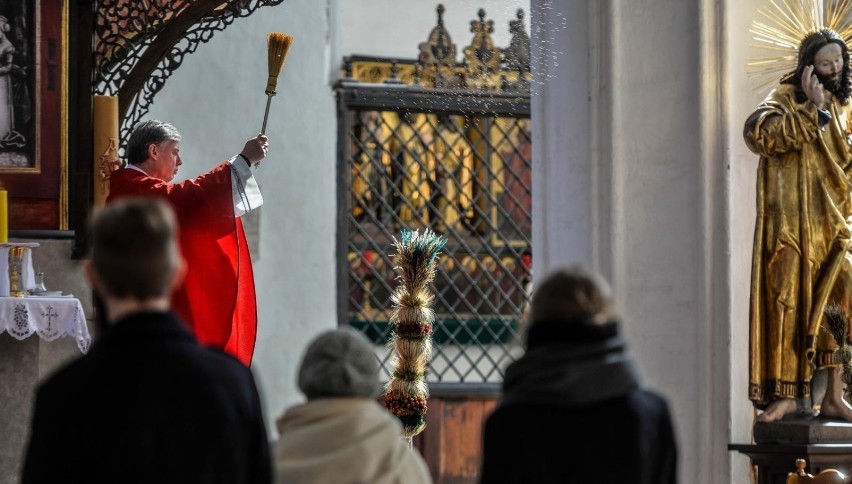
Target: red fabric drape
[217, 298]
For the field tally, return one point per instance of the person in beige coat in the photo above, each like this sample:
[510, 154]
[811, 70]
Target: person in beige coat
[341, 434]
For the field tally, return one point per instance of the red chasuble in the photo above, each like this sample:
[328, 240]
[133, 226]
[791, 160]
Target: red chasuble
[217, 298]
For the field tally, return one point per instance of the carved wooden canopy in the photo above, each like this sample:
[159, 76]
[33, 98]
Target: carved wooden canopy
[139, 43]
[483, 66]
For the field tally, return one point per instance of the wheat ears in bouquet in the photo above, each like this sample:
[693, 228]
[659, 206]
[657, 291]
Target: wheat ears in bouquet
[412, 317]
[836, 323]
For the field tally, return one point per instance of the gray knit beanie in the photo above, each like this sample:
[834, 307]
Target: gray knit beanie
[339, 363]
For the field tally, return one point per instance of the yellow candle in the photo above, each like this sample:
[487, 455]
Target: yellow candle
[105, 144]
[4, 216]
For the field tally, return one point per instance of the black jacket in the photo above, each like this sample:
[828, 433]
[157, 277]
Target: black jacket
[149, 404]
[573, 411]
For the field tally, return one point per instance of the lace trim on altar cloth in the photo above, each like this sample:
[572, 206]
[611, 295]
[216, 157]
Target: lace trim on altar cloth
[51, 319]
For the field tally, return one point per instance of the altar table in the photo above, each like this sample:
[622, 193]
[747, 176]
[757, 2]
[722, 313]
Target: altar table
[48, 317]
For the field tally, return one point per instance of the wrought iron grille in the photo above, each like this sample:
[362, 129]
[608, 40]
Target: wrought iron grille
[457, 162]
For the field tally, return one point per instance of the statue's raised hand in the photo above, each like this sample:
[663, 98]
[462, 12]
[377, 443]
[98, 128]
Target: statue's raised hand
[812, 87]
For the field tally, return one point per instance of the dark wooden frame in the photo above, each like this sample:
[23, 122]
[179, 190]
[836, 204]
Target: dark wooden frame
[38, 195]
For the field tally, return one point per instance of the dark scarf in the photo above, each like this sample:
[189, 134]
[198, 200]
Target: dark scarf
[570, 362]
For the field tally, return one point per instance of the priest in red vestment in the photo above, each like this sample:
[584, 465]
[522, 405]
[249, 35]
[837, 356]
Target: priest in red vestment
[217, 298]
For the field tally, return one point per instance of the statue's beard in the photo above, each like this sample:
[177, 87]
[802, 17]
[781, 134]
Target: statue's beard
[833, 85]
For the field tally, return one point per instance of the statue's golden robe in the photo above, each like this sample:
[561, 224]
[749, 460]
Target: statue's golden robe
[801, 259]
[451, 171]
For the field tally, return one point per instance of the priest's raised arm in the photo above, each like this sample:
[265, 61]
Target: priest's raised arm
[217, 298]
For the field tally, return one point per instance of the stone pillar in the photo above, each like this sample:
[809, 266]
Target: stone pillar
[563, 163]
[632, 123]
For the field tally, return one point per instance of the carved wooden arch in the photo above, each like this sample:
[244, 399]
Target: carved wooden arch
[139, 44]
[164, 42]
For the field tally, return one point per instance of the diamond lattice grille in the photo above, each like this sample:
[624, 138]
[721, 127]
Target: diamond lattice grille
[467, 177]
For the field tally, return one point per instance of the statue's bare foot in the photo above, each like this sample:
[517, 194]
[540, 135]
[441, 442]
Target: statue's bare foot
[836, 408]
[777, 409]
[833, 405]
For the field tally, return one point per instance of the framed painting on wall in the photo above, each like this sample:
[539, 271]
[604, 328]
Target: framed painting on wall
[33, 112]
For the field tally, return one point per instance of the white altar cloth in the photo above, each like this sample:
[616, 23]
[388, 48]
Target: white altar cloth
[49, 317]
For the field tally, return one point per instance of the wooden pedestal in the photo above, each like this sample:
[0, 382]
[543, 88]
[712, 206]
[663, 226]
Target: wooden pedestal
[775, 461]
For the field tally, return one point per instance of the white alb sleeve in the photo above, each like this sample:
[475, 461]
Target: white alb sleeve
[244, 189]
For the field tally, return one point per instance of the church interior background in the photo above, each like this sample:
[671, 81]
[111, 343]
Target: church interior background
[612, 139]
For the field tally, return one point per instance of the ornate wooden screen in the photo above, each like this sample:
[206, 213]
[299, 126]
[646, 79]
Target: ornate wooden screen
[431, 143]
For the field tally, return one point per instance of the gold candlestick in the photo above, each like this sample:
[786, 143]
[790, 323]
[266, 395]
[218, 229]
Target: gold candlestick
[16, 264]
[105, 144]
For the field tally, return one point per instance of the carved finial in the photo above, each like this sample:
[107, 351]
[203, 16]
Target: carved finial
[517, 55]
[438, 49]
[800, 467]
[481, 56]
[481, 25]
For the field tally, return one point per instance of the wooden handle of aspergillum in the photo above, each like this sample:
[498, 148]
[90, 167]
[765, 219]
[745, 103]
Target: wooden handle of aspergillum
[266, 114]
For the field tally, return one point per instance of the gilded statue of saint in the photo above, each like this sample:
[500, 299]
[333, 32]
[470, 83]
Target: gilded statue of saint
[370, 169]
[802, 260]
[452, 174]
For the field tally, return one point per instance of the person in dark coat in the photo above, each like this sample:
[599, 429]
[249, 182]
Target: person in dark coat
[147, 403]
[573, 408]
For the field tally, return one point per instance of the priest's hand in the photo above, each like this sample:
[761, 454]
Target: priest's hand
[256, 149]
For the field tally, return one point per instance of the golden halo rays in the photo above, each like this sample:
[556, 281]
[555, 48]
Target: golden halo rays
[781, 26]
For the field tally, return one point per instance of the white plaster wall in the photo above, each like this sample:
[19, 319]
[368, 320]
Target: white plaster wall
[637, 183]
[684, 215]
[742, 176]
[565, 174]
[216, 100]
[657, 187]
[394, 28]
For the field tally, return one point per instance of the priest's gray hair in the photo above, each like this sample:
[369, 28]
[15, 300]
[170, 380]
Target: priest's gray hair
[145, 134]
